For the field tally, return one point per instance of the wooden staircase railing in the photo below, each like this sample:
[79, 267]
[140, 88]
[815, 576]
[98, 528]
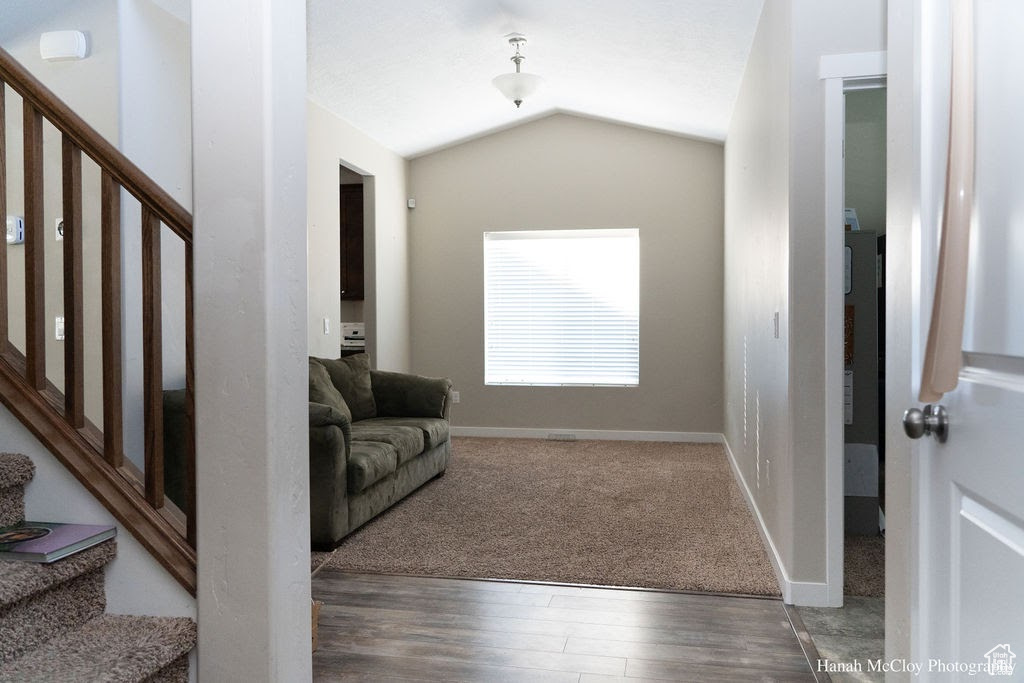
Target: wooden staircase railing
[96, 456]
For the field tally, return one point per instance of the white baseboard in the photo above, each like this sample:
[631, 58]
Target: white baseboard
[804, 593]
[809, 594]
[586, 434]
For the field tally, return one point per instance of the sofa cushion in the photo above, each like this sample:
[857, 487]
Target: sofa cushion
[351, 376]
[368, 463]
[408, 441]
[323, 391]
[435, 430]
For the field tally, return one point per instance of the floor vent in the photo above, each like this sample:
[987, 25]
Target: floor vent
[561, 436]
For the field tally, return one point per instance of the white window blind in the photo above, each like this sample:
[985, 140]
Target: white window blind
[561, 307]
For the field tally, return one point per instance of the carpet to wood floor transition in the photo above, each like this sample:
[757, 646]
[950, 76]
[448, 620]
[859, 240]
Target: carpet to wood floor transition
[642, 514]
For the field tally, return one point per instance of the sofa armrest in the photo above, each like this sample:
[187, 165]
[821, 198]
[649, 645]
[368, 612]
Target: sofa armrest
[321, 415]
[322, 418]
[330, 439]
[399, 394]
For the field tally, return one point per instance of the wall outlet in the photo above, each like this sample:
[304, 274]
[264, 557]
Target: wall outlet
[59, 327]
[327, 325]
[455, 397]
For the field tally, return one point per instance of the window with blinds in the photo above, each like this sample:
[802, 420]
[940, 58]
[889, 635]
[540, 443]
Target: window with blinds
[562, 307]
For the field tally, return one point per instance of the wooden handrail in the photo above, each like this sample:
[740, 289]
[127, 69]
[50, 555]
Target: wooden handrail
[127, 174]
[57, 418]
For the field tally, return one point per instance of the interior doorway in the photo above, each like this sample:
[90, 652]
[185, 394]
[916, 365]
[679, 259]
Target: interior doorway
[854, 88]
[864, 339]
[352, 196]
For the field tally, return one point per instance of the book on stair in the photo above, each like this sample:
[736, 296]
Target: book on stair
[50, 541]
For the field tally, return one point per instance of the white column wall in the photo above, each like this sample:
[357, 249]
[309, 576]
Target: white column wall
[249, 192]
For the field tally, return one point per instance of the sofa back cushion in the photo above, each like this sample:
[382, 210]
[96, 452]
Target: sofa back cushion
[351, 376]
[322, 389]
[401, 394]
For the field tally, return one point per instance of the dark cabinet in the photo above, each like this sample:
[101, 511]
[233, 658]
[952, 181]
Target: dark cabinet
[352, 242]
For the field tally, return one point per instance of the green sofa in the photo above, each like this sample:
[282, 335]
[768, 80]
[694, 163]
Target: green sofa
[374, 438]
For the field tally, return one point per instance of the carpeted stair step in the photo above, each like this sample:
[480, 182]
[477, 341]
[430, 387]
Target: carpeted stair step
[111, 648]
[16, 470]
[41, 601]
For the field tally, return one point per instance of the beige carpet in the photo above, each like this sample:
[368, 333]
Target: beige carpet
[645, 514]
[864, 566]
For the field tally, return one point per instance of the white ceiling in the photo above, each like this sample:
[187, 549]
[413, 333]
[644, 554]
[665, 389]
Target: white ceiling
[415, 75]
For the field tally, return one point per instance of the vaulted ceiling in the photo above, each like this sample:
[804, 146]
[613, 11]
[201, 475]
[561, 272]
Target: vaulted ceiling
[415, 75]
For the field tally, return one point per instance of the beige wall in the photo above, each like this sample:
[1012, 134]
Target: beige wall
[331, 142]
[565, 172]
[757, 182]
[865, 157]
[775, 181]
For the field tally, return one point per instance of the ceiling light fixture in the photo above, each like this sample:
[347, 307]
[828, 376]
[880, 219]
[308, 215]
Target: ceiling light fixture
[517, 86]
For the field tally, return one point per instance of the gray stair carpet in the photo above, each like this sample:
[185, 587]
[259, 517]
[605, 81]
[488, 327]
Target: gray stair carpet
[16, 470]
[41, 601]
[52, 621]
[108, 648]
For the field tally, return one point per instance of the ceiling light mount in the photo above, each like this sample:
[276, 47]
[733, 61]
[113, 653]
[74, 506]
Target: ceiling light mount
[517, 40]
[518, 85]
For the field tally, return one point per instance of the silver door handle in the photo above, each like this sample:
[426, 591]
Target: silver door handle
[933, 420]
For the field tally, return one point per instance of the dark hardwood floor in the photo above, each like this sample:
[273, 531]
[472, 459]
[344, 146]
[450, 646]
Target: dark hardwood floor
[380, 628]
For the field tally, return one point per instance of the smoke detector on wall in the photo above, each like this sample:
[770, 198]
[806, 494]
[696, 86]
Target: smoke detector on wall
[60, 46]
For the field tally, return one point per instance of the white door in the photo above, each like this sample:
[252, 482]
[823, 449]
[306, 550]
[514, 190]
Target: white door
[967, 506]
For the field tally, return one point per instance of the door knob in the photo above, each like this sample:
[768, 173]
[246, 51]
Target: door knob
[932, 420]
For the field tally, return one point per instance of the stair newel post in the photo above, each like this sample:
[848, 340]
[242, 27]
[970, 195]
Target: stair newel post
[74, 340]
[3, 212]
[152, 358]
[110, 266]
[35, 276]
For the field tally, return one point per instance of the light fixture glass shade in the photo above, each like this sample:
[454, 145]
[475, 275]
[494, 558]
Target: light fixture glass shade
[517, 86]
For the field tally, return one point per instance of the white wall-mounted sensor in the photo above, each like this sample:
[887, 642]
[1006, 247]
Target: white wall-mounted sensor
[15, 230]
[57, 46]
[411, 203]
